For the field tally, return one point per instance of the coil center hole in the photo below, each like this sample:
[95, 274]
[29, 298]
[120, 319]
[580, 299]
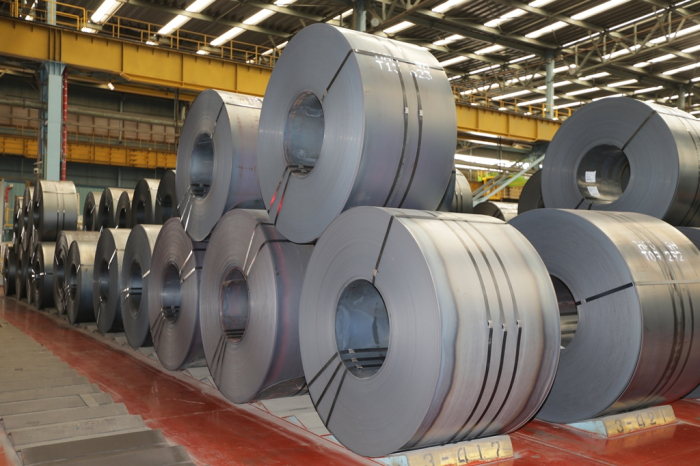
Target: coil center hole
[122, 222]
[135, 288]
[303, 133]
[202, 165]
[234, 309]
[362, 328]
[60, 273]
[603, 174]
[87, 220]
[166, 208]
[140, 212]
[73, 281]
[171, 296]
[105, 217]
[568, 312]
[104, 281]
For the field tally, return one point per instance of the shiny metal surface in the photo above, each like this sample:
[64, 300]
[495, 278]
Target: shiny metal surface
[422, 328]
[91, 211]
[123, 209]
[216, 159]
[143, 202]
[249, 308]
[458, 195]
[55, 208]
[490, 209]
[26, 219]
[635, 281]
[81, 260]
[63, 242]
[693, 234]
[531, 195]
[352, 119]
[41, 275]
[107, 214]
[173, 297]
[106, 279]
[629, 156]
[136, 276]
[166, 198]
[16, 222]
[9, 270]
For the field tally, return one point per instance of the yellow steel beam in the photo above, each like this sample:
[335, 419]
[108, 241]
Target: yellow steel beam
[506, 124]
[93, 153]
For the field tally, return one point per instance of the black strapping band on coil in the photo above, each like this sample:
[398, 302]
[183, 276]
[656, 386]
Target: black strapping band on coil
[605, 293]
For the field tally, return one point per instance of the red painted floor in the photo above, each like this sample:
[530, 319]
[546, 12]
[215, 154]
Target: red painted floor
[216, 433]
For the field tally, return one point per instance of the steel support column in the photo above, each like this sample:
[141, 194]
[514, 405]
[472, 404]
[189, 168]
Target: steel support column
[360, 16]
[681, 97]
[51, 129]
[549, 81]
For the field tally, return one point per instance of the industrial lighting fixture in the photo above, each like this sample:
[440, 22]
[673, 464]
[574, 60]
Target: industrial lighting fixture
[452, 61]
[518, 60]
[515, 13]
[594, 76]
[570, 104]
[647, 90]
[559, 84]
[681, 69]
[579, 16]
[251, 21]
[546, 30]
[88, 30]
[443, 7]
[107, 9]
[608, 97]
[279, 47]
[259, 17]
[535, 101]
[695, 112]
[483, 70]
[150, 42]
[563, 68]
[583, 91]
[502, 108]
[512, 94]
[489, 49]
[343, 15]
[202, 52]
[620, 52]
[449, 39]
[398, 27]
[175, 23]
[226, 36]
[454, 77]
[622, 83]
[110, 86]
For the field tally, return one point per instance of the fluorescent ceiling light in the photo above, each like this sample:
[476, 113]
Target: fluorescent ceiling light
[559, 84]
[480, 89]
[484, 160]
[443, 7]
[524, 78]
[226, 36]
[175, 23]
[594, 76]
[621, 52]
[107, 9]
[258, 17]
[511, 95]
[694, 80]
[662, 58]
[398, 27]
[88, 30]
[515, 13]
[150, 42]
[199, 5]
[279, 47]
[343, 15]
[518, 60]
[204, 52]
[489, 49]
[110, 86]
[681, 69]
[454, 77]
[536, 101]
[583, 91]
[448, 40]
[647, 90]
[622, 83]
[608, 97]
[598, 9]
[546, 30]
[483, 70]
[563, 68]
[570, 104]
[452, 61]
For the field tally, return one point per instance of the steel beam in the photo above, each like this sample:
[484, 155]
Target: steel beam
[51, 125]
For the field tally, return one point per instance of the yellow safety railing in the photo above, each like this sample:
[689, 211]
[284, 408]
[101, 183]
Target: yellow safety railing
[486, 99]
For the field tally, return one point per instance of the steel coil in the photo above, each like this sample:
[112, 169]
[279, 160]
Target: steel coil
[489, 209]
[16, 222]
[352, 119]
[136, 273]
[106, 279]
[693, 234]
[422, 328]
[629, 156]
[173, 297]
[531, 195]
[123, 209]
[26, 220]
[41, 274]
[458, 195]
[55, 208]
[29, 280]
[81, 260]
[626, 284]
[90, 211]
[143, 203]
[22, 271]
[249, 307]
[166, 199]
[107, 215]
[9, 270]
[216, 159]
[63, 242]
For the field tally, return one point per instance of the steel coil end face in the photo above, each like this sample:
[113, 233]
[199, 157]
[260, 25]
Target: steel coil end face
[79, 281]
[216, 159]
[352, 119]
[624, 283]
[143, 204]
[123, 209]
[135, 279]
[43, 280]
[166, 198]
[249, 302]
[404, 330]
[173, 297]
[531, 195]
[106, 278]
[625, 155]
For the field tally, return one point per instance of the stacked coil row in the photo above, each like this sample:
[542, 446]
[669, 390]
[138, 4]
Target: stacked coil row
[320, 242]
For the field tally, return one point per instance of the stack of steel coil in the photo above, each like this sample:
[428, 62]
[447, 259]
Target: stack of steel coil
[79, 277]
[90, 211]
[41, 275]
[107, 279]
[61, 266]
[143, 204]
[55, 207]
[166, 198]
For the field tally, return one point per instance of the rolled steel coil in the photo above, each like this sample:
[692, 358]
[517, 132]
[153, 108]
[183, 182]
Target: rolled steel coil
[166, 199]
[29, 281]
[173, 297]
[91, 211]
[422, 328]
[627, 284]
[136, 275]
[81, 260]
[23, 260]
[123, 208]
[9, 270]
[55, 207]
[42, 275]
[458, 195]
[352, 119]
[693, 234]
[26, 220]
[107, 284]
[143, 203]
[16, 222]
[629, 156]
[60, 261]
[216, 159]
[531, 195]
[249, 308]
[107, 216]
[489, 209]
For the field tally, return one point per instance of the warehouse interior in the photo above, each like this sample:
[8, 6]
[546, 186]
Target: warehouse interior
[339, 232]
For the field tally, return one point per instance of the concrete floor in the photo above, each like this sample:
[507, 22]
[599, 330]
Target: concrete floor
[215, 432]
